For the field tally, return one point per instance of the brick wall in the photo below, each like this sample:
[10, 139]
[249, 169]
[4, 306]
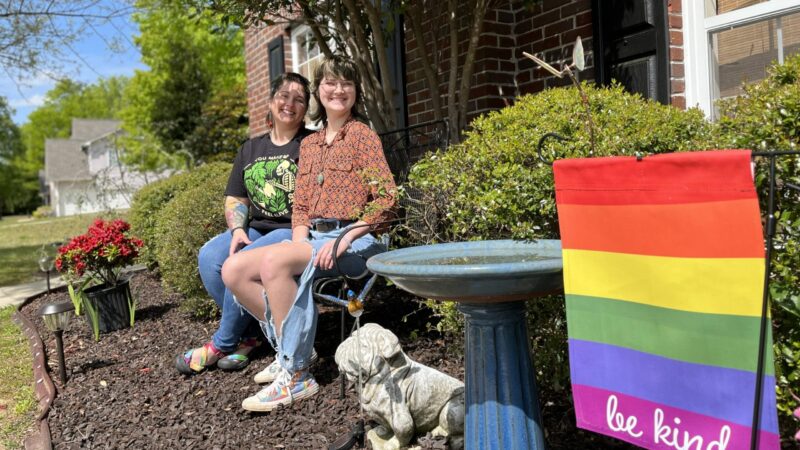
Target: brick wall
[501, 73]
[675, 30]
[256, 40]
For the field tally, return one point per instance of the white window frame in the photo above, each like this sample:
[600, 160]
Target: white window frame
[697, 31]
[296, 32]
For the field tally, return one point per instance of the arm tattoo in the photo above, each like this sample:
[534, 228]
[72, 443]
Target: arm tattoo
[235, 213]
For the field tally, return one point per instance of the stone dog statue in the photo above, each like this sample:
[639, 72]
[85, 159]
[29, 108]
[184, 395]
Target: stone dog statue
[405, 397]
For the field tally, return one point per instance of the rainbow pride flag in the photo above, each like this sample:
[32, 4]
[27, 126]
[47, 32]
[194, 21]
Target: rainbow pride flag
[663, 276]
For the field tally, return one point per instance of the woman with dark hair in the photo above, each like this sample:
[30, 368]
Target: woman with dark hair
[258, 209]
[343, 182]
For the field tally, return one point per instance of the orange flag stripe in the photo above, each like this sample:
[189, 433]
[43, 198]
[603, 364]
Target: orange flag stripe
[726, 229]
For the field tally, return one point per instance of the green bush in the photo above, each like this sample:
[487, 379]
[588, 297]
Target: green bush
[184, 224]
[42, 212]
[493, 186]
[767, 117]
[148, 202]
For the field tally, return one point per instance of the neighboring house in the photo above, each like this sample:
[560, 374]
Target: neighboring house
[83, 173]
[684, 53]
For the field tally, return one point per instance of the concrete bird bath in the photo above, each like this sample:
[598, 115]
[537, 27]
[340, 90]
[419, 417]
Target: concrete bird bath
[487, 279]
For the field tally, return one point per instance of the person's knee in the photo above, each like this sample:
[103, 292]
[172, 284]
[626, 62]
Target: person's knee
[210, 254]
[272, 266]
[204, 255]
[232, 271]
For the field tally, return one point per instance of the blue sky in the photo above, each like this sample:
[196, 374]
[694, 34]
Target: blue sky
[95, 59]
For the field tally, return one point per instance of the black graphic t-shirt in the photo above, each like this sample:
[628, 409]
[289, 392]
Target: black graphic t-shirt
[265, 174]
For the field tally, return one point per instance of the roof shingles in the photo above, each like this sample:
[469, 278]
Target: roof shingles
[64, 160]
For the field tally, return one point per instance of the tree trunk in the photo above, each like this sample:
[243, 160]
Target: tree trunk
[479, 12]
[452, 112]
[429, 68]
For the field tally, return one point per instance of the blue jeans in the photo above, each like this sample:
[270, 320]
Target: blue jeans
[299, 329]
[234, 325]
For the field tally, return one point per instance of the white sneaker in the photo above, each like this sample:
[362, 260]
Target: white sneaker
[271, 372]
[285, 390]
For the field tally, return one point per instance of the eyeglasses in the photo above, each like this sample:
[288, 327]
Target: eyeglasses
[330, 85]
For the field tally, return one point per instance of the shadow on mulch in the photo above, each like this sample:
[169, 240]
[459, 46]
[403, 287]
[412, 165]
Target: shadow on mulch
[124, 392]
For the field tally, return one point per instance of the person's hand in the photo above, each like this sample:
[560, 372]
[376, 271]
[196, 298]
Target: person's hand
[238, 240]
[324, 258]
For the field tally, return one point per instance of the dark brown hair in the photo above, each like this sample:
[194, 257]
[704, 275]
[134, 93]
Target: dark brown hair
[337, 68]
[277, 83]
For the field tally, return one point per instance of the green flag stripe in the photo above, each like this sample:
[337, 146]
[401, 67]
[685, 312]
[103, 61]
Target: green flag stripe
[711, 339]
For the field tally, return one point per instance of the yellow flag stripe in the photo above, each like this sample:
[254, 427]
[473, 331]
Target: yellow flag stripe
[704, 285]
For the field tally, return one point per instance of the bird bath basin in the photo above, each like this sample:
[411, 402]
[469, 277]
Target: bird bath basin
[478, 271]
[487, 279]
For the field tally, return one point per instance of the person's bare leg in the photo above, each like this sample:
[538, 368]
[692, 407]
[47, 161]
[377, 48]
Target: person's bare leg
[241, 275]
[278, 269]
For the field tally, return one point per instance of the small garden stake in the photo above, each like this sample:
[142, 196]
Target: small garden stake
[578, 62]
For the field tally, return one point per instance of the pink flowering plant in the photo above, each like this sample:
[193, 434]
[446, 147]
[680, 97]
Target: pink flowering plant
[99, 254]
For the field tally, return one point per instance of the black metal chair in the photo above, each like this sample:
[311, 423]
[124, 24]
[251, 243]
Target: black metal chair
[402, 148]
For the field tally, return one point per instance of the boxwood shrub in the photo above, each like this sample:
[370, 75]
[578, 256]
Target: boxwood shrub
[185, 223]
[493, 185]
[149, 200]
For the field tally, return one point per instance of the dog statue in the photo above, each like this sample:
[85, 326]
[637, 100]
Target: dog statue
[405, 397]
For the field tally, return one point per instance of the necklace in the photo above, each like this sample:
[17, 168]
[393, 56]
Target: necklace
[325, 148]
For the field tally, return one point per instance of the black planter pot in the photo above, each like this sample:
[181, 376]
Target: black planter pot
[111, 304]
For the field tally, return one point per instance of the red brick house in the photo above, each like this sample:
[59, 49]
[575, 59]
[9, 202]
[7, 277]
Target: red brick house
[679, 52]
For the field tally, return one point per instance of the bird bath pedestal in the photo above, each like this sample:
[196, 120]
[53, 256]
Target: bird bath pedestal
[488, 279]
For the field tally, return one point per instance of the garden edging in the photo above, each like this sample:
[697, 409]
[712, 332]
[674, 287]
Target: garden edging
[44, 387]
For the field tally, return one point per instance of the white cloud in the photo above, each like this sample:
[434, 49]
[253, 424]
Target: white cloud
[33, 100]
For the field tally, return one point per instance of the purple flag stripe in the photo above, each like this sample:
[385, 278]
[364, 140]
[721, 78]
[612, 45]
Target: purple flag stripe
[639, 422]
[724, 393]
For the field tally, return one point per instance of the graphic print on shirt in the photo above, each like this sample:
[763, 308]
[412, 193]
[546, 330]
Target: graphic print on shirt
[270, 184]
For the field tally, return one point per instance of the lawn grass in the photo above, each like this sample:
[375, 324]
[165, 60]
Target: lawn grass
[22, 237]
[17, 400]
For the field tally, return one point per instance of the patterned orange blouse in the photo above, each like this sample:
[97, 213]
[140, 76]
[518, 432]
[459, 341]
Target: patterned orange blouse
[348, 179]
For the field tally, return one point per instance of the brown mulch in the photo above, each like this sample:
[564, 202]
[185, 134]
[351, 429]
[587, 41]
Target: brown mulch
[124, 392]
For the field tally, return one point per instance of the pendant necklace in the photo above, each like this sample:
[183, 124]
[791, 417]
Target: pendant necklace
[321, 174]
[326, 147]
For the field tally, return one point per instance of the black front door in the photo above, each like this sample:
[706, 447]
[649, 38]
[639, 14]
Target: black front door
[631, 46]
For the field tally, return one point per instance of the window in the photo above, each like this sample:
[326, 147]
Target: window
[728, 42]
[113, 155]
[306, 55]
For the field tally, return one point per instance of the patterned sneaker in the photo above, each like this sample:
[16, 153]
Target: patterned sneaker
[239, 359]
[271, 372]
[285, 390]
[198, 359]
